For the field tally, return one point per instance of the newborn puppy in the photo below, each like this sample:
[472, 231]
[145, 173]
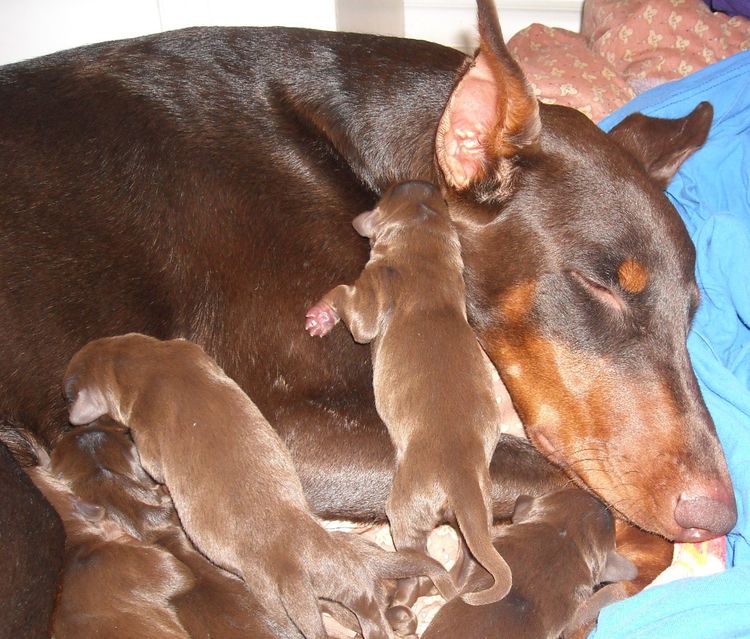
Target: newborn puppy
[100, 464]
[233, 483]
[433, 387]
[114, 584]
[559, 547]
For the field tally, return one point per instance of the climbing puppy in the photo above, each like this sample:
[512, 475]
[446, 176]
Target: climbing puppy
[233, 483]
[433, 386]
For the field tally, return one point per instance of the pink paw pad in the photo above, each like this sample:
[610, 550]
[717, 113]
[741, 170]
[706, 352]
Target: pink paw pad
[320, 319]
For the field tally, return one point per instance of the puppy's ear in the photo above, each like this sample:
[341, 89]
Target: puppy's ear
[522, 509]
[618, 568]
[88, 405]
[366, 222]
[91, 512]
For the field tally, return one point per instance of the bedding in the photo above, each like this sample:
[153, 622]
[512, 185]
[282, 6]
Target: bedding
[625, 47]
[712, 194]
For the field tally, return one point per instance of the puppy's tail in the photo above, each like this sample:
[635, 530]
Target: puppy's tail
[402, 564]
[472, 514]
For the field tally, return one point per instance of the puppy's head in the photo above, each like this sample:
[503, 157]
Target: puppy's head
[403, 203]
[93, 378]
[581, 517]
[100, 464]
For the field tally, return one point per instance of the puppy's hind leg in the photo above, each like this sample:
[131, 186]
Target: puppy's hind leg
[301, 604]
[413, 510]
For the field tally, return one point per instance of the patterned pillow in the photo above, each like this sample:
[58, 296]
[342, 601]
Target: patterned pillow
[562, 69]
[654, 41]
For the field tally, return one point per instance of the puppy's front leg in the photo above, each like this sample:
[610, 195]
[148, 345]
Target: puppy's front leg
[358, 306]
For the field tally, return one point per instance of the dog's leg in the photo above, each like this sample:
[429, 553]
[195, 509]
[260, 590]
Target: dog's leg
[413, 512]
[342, 486]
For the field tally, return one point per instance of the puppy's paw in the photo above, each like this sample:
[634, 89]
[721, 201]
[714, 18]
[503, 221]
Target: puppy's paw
[320, 319]
[402, 620]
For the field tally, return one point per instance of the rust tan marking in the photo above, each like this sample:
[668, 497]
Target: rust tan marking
[633, 276]
[514, 370]
[594, 421]
[517, 303]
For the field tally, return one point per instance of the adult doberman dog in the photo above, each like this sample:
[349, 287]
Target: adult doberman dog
[201, 184]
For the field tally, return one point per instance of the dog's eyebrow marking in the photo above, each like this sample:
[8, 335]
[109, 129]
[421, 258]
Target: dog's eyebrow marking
[632, 276]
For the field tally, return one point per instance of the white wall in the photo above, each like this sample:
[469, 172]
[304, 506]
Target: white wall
[30, 28]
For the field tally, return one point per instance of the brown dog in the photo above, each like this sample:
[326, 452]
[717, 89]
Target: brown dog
[218, 167]
[433, 388]
[101, 466]
[124, 539]
[233, 483]
[559, 546]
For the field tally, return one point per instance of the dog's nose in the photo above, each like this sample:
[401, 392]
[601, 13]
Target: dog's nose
[706, 512]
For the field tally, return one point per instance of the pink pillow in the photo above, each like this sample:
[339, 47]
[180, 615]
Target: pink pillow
[653, 41]
[563, 70]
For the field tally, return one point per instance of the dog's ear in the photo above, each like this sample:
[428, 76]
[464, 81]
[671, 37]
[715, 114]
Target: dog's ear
[522, 509]
[89, 404]
[662, 145]
[492, 115]
[618, 568]
[366, 222]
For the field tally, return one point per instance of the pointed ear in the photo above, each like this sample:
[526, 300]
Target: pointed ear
[618, 568]
[88, 405]
[366, 222]
[492, 114]
[662, 145]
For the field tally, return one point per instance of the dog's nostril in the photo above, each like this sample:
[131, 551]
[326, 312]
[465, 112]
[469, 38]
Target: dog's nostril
[708, 514]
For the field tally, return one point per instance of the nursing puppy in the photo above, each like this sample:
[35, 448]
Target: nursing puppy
[139, 580]
[433, 388]
[124, 538]
[100, 464]
[559, 547]
[233, 483]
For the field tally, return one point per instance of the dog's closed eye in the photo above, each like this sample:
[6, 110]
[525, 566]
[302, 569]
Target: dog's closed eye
[599, 291]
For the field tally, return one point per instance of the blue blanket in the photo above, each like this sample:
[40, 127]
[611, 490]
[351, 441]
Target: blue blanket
[712, 194]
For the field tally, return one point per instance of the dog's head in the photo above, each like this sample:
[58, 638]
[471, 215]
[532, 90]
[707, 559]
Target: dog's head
[101, 465]
[580, 285]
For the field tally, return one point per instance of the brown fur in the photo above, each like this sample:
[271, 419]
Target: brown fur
[232, 481]
[31, 548]
[220, 166]
[559, 546]
[124, 539]
[432, 386]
